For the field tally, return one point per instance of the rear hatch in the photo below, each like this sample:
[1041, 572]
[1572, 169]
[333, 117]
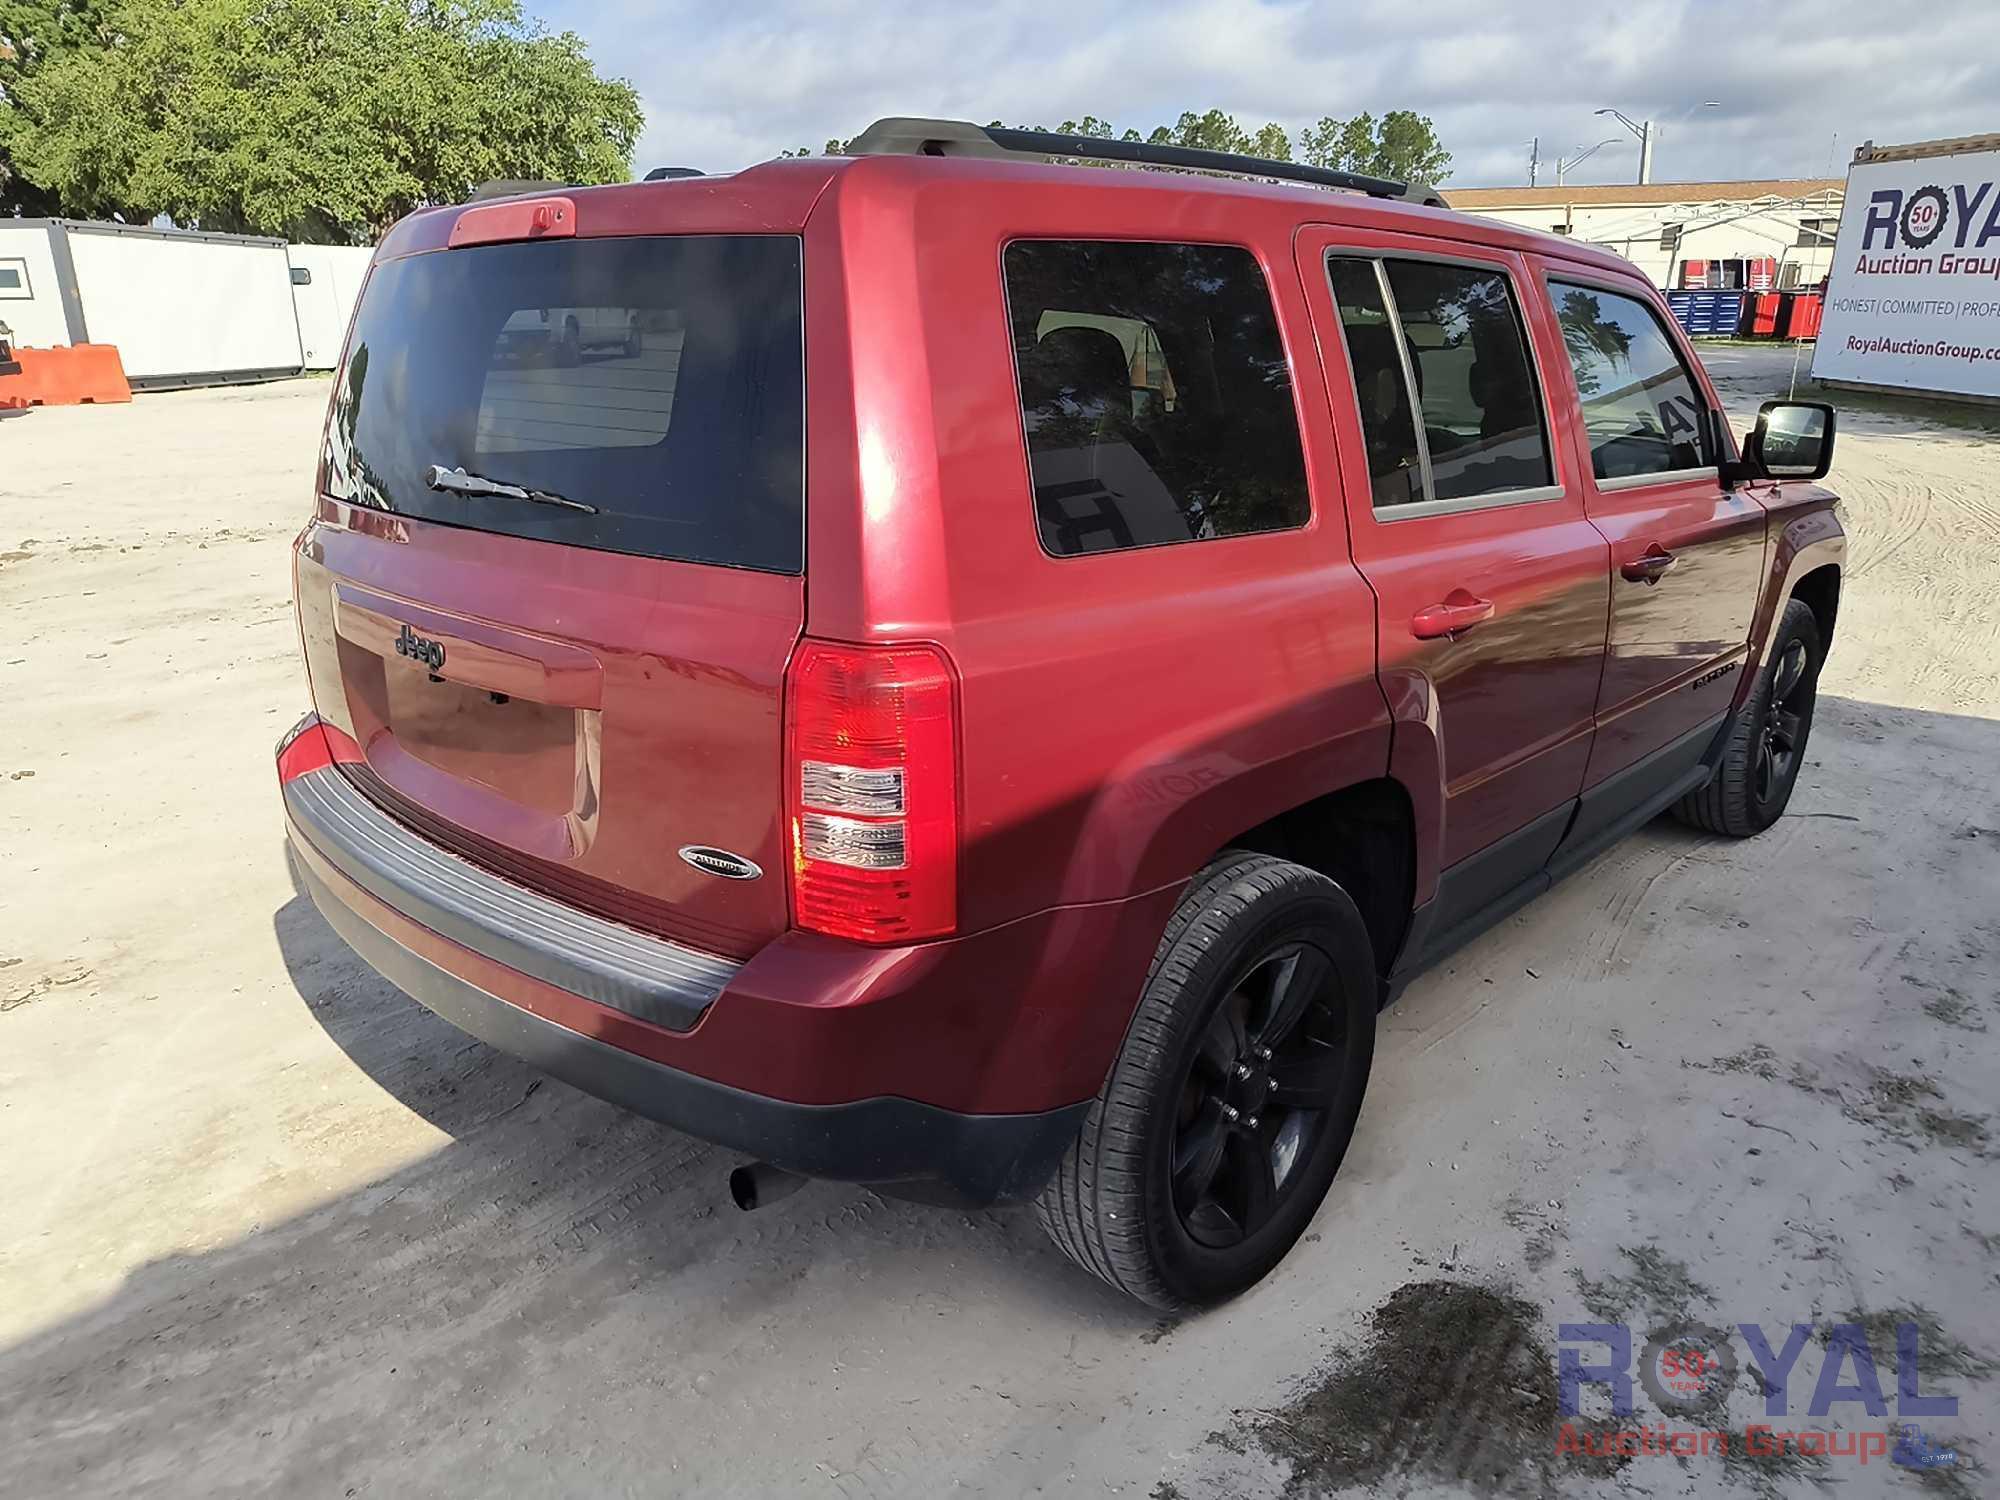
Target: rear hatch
[574, 679]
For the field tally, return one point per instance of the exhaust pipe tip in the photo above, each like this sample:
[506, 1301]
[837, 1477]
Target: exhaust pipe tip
[758, 1183]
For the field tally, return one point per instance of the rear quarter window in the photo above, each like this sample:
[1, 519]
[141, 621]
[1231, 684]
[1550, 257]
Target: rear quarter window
[1155, 394]
[658, 381]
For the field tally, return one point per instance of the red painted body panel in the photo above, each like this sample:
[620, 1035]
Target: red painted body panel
[1806, 537]
[1122, 715]
[1668, 637]
[1088, 770]
[645, 709]
[1501, 715]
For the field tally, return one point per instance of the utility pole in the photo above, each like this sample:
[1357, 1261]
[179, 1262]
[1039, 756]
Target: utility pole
[1646, 151]
[1535, 161]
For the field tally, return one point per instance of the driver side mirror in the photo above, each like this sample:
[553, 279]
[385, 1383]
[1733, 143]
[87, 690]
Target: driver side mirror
[1792, 440]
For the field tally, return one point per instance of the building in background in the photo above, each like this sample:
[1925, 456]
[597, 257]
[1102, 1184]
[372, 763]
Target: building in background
[1773, 234]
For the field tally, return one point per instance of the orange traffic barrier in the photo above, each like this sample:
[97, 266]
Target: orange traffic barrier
[80, 375]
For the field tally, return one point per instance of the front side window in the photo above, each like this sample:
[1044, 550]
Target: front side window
[1474, 429]
[1155, 394]
[1640, 406]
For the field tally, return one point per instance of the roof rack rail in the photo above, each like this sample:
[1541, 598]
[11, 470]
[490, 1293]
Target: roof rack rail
[909, 136]
[665, 174]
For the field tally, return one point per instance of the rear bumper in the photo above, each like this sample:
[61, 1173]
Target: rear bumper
[965, 1065]
[887, 1141]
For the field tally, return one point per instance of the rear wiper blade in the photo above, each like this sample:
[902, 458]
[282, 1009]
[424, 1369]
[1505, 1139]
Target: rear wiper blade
[458, 482]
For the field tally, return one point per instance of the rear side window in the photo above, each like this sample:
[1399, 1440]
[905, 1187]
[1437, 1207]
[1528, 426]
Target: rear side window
[658, 381]
[1640, 406]
[1155, 393]
[1449, 405]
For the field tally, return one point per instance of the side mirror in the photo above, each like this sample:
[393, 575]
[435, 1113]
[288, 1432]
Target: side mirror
[1792, 440]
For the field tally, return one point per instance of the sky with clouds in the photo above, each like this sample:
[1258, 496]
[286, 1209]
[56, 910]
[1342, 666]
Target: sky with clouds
[728, 85]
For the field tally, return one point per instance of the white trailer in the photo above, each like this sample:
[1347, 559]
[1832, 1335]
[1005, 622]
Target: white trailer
[31, 289]
[1913, 300]
[326, 282]
[183, 307]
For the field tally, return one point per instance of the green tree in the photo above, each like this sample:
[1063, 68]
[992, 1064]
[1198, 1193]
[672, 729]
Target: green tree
[1402, 144]
[31, 31]
[1217, 131]
[316, 119]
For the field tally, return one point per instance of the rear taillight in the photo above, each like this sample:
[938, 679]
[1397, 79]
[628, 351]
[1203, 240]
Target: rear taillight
[871, 772]
[311, 745]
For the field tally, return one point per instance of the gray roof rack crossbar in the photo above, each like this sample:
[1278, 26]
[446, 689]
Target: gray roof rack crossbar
[905, 136]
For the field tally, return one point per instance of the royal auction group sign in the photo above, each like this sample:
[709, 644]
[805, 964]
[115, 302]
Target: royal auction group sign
[1914, 296]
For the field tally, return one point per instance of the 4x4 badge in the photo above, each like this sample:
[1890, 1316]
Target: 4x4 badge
[719, 862]
[420, 648]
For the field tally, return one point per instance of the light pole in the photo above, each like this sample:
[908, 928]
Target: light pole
[1648, 132]
[1565, 163]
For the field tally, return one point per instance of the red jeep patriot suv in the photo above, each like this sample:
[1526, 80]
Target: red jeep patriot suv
[999, 669]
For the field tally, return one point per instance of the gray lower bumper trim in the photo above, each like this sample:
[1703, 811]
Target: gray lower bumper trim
[648, 977]
[898, 1144]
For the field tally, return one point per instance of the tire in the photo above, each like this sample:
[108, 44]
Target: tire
[1760, 764]
[1254, 940]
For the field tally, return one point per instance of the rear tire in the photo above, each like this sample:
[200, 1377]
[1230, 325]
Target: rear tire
[1232, 1101]
[1760, 764]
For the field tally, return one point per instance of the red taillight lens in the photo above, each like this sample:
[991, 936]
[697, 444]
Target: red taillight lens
[311, 745]
[871, 791]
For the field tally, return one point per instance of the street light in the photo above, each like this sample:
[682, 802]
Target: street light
[1565, 163]
[1648, 132]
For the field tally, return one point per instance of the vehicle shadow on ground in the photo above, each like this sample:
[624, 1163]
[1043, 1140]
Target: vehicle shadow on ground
[548, 1219]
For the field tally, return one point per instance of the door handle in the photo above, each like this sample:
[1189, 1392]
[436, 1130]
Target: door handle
[1650, 567]
[1460, 611]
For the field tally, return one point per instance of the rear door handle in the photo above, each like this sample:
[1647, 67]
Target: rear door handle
[1653, 565]
[1460, 611]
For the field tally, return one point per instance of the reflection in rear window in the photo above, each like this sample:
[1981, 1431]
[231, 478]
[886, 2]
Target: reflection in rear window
[658, 380]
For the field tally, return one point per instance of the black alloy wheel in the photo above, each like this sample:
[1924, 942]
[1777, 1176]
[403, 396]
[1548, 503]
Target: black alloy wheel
[1231, 1103]
[1785, 719]
[1256, 1095]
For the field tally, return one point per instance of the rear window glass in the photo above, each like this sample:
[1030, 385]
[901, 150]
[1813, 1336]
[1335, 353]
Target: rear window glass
[1155, 392]
[658, 381]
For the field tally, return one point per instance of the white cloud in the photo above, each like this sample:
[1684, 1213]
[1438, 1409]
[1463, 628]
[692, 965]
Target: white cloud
[725, 87]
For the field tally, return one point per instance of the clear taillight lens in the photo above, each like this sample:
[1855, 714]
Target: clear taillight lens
[871, 771]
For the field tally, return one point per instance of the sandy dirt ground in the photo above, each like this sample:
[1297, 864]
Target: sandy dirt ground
[268, 1227]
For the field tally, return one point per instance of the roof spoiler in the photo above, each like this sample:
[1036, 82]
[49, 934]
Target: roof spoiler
[906, 136]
